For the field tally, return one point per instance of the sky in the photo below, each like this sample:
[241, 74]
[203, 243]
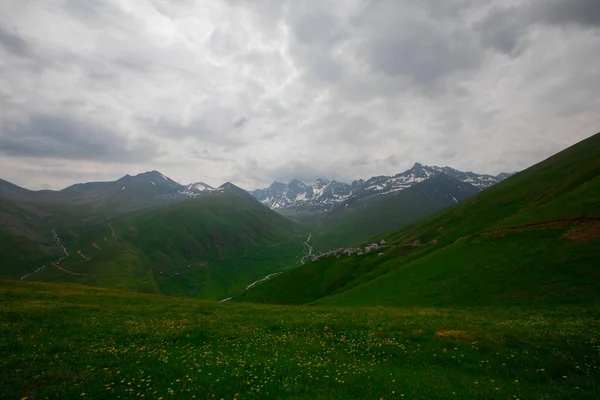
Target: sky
[256, 91]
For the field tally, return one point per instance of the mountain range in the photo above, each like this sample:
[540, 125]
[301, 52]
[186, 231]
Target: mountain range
[151, 188]
[150, 233]
[125, 194]
[322, 195]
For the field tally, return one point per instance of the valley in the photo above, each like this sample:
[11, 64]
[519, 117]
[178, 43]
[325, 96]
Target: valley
[217, 261]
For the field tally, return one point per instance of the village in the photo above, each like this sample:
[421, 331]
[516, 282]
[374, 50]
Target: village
[346, 251]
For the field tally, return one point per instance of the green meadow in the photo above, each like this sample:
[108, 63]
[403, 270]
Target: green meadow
[63, 341]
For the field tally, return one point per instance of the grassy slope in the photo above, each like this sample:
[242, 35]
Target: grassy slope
[26, 239]
[465, 256]
[339, 229]
[208, 247]
[71, 341]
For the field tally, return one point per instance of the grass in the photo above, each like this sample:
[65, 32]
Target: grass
[71, 341]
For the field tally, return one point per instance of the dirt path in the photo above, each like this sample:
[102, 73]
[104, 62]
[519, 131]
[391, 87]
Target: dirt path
[55, 264]
[112, 231]
[308, 246]
[266, 278]
[86, 258]
[66, 254]
[60, 244]
[31, 273]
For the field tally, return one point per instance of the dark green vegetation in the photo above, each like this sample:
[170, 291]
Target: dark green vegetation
[348, 224]
[69, 341]
[532, 238]
[211, 246]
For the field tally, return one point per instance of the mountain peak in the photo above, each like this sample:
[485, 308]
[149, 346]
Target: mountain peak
[417, 165]
[230, 186]
[277, 184]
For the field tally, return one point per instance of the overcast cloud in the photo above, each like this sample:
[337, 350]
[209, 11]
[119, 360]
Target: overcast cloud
[253, 91]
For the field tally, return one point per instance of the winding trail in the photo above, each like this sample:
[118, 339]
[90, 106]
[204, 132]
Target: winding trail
[112, 231]
[266, 278]
[83, 255]
[64, 249]
[31, 273]
[60, 244]
[66, 254]
[55, 264]
[227, 299]
[308, 246]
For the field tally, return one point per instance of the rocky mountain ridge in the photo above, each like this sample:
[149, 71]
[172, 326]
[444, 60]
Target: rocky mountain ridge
[322, 194]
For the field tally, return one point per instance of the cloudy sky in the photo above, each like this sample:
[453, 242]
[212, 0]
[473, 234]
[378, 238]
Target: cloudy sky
[253, 91]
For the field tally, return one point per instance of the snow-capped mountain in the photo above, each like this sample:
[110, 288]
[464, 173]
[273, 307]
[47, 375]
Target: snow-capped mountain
[322, 194]
[196, 188]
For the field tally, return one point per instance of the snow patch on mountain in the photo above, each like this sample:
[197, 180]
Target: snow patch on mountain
[197, 189]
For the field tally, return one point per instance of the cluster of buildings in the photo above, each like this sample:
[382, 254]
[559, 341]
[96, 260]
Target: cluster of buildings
[345, 251]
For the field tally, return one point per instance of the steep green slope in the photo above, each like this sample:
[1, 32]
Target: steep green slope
[344, 227]
[210, 247]
[534, 237]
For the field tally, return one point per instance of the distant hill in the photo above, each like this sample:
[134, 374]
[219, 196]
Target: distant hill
[210, 247]
[125, 194]
[534, 237]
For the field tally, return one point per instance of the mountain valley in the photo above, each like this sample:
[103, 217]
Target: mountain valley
[84, 218]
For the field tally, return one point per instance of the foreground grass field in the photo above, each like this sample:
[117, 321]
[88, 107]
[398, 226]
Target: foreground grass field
[68, 341]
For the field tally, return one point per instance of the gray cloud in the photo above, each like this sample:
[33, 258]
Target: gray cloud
[14, 44]
[256, 91]
[578, 12]
[65, 138]
[240, 122]
[506, 28]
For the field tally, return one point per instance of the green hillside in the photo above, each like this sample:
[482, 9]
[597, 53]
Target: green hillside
[532, 238]
[342, 227]
[26, 239]
[211, 247]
